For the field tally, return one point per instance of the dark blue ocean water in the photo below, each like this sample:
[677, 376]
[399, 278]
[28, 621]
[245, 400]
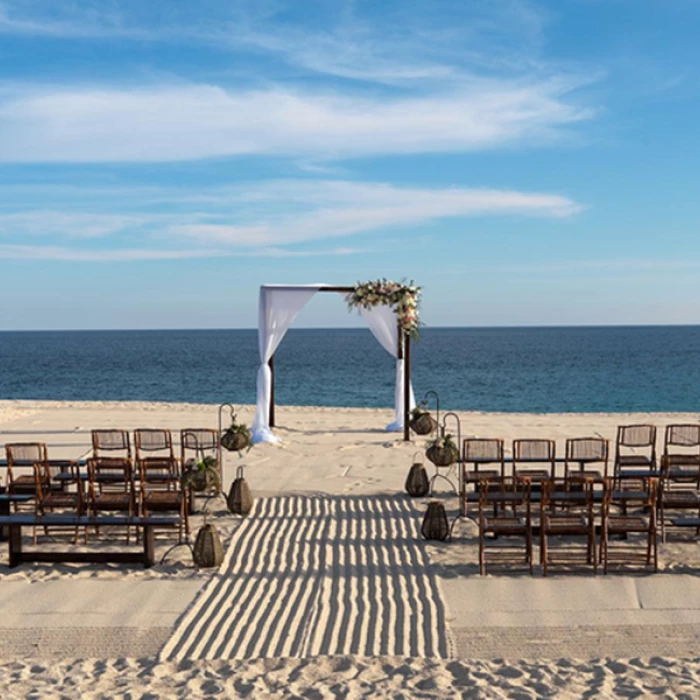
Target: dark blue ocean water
[488, 369]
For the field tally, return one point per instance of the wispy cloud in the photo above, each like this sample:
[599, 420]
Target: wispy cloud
[273, 215]
[201, 121]
[60, 253]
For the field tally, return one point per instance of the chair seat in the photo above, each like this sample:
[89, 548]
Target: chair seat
[681, 499]
[505, 525]
[533, 473]
[482, 474]
[634, 461]
[689, 460]
[59, 499]
[619, 524]
[163, 499]
[565, 524]
[113, 501]
[585, 474]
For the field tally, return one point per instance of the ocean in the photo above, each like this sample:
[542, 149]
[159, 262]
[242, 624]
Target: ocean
[585, 369]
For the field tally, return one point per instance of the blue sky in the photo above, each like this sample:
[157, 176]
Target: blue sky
[527, 163]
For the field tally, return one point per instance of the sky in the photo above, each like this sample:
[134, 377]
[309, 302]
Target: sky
[526, 163]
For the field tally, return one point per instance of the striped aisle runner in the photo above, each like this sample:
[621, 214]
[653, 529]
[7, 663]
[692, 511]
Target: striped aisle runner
[314, 575]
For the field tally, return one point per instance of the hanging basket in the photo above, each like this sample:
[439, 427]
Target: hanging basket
[423, 424]
[435, 525]
[442, 456]
[235, 441]
[417, 483]
[207, 551]
[240, 499]
[203, 480]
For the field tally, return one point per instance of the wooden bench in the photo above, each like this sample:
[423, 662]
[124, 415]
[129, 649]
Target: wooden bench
[15, 523]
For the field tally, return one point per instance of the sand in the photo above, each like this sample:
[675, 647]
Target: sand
[381, 634]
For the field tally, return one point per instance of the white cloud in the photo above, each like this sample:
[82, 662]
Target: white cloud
[176, 122]
[272, 214]
[73, 224]
[341, 209]
[46, 252]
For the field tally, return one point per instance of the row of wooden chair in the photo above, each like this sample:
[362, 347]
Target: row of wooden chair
[635, 448]
[508, 507]
[147, 481]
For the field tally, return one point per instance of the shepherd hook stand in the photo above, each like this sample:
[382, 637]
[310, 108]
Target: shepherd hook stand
[450, 468]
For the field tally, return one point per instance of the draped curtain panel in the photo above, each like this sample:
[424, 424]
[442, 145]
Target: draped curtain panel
[383, 324]
[278, 307]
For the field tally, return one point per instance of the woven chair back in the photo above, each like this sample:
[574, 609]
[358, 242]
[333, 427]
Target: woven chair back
[682, 436]
[25, 453]
[110, 474]
[482, 450]
[636, 435]
[587, 449]
[111, 441]
[534, 450]
[153, 440]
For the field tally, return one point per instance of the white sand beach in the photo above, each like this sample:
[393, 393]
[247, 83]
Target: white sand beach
[327, 589]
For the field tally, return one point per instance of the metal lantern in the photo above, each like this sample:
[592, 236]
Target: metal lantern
[240, 499]
[435, 525]
[417, 483]
[207, 551]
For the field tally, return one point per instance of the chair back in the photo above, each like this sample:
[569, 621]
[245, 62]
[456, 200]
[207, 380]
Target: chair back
[586, 452]
[195, 443]
[530, 450]
[558, 494]
[685, 436]
[511, 490]
[111, 441]
[24, 454]
[110, 474]
[482, 450]
[636, 436]
[150, 440]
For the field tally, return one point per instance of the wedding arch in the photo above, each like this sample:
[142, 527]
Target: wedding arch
[389, 310]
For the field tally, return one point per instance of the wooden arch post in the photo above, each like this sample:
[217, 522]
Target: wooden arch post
[404, 353]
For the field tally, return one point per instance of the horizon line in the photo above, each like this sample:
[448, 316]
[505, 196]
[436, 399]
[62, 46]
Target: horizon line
[353, 328]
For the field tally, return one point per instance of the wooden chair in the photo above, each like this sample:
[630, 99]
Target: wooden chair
[680, 474]
[154, 447]
[111, 487]
[111, 441]
[586, 458]
[642, 523]
[635, 451]
[527, 453]
[23, 456]
[480, 452]
[50, 500]
[559, 519]
[196, 443]
[513, 493]
[681, 457]
[159, 475]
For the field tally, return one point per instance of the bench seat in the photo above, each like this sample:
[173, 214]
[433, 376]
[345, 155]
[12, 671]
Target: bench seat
[15, 523]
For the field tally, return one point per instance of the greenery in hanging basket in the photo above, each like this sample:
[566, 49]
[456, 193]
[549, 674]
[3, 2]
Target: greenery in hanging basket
[442, 451]
[202, 475]
[236, 437]
[403, 298]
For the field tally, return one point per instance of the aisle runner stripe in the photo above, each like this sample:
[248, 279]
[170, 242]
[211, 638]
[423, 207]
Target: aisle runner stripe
[316, 576]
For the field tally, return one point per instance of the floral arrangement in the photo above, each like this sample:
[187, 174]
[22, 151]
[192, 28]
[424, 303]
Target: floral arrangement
[402, 297]
[443, 442]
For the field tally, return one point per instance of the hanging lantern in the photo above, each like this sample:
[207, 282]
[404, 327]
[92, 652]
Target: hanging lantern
[240, 499]
[207, 551]
[417, 483]
[435, 525]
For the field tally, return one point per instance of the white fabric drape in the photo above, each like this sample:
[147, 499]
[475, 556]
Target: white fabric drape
[278, 307]
[383, 324]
